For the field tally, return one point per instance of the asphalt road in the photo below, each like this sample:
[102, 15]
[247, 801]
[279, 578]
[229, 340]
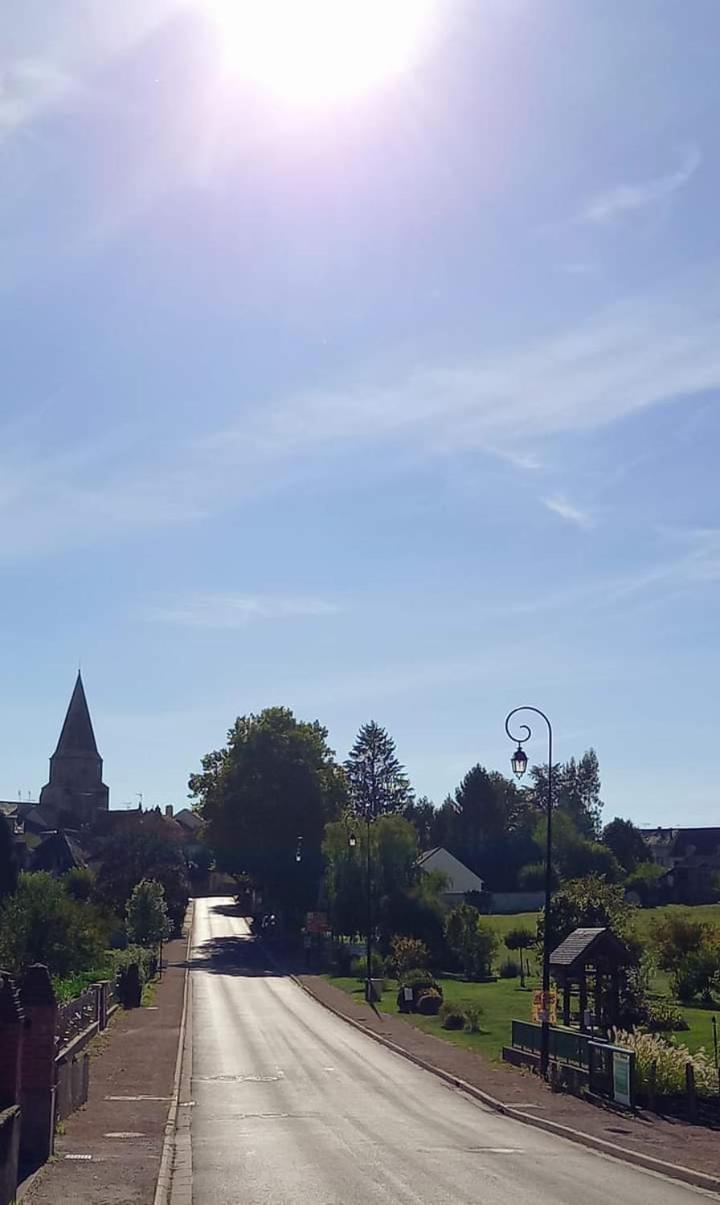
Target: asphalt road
[294, 1106]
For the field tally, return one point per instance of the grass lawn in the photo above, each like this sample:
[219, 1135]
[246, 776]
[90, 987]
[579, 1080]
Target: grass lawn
[504, 1000]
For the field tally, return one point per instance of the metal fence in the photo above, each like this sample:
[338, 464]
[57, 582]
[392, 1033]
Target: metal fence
[565, 1045]
[76, 1016]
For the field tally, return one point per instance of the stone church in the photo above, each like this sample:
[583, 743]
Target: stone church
[76, 792]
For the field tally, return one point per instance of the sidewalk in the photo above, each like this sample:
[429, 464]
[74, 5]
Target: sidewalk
[671, 1141]
[109, 1152]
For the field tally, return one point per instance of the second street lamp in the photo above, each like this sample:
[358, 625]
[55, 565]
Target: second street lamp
[519, 763]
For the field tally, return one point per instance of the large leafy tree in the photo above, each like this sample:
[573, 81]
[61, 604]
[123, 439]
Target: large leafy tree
[8, 864]
[376, 780]
[266, 798]
[626, 842]
[127, 857]
[576, 791]
[422, 814]
[588, 903]
[41, 923]
[489, 826]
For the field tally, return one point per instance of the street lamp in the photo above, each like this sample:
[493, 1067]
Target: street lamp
[352, 842]
[519, 763]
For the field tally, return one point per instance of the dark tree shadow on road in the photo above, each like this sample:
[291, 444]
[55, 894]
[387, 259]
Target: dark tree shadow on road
[232, 956]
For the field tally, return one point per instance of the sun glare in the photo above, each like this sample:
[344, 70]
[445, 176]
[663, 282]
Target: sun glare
[316, 51]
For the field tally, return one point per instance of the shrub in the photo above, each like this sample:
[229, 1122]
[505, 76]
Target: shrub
[452, 1017]
[677, 935]
[147, 915]
[509, 969]
[429, 1002]
[417, 977]
[670, 1063]
[472, 942]
[661, 1017]
[78, 883]
[358, 966]
[473, 1013]
[698, 974]
[405, 954]
[42, 923]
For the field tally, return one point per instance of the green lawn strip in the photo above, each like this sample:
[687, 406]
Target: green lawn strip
[501, 1003]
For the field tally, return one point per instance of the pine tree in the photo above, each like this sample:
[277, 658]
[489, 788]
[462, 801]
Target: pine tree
[377, 781]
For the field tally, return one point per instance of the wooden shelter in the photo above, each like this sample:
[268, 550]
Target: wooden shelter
[593, 962]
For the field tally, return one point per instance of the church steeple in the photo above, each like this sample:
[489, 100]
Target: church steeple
[77, 736]
[76, 791]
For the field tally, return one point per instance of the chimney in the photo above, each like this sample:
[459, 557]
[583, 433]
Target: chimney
[169, 811]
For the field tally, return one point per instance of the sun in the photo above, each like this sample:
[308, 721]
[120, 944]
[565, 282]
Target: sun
[320, 51]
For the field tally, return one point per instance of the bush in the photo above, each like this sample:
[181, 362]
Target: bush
[677, 935]
[42, 923]
[429, 1002]
[698, 974]
[509, 969]
[405, 954]
[452, 1017]
[473, 1013]
[417, 977]
[147, 915]
[662, 1017]
[472, 942]
[358, 966]
[670, 1063]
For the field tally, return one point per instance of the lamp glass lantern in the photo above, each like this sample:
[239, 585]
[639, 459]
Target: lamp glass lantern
[519, 761]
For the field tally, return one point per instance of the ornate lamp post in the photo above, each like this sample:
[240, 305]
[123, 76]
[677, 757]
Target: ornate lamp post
[519, 763]
[352, 842]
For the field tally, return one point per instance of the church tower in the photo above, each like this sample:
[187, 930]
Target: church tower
[76, 791]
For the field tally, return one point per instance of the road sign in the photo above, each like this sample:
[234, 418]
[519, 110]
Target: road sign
[544, 1006]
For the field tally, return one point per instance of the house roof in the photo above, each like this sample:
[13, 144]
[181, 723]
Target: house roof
[461, 878]
[59, 850]
[189, 819]
[678, 841]
[77, 736]
[583, 945]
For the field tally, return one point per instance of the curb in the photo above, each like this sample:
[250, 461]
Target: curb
[164, 1180]
[671, 1171]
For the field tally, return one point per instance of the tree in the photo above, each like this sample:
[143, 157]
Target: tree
[422, 815]
[626, 842]
[42, 923]
[79, 883]
[676, 936]
[576, 856]
[376, 780]
[576, 791]
[520, 939]
[488, 826]
[274, 782]
[128, 857]
[588, 903]
[148, 922]
[645, 879]
[472, 942]
[8, 862]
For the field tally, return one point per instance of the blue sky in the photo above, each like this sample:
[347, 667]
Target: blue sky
[398, 406]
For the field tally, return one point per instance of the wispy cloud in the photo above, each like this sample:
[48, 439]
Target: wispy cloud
[48, 50]
[572, 514]
[645, 352]
[628, 199]
[227, 611]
